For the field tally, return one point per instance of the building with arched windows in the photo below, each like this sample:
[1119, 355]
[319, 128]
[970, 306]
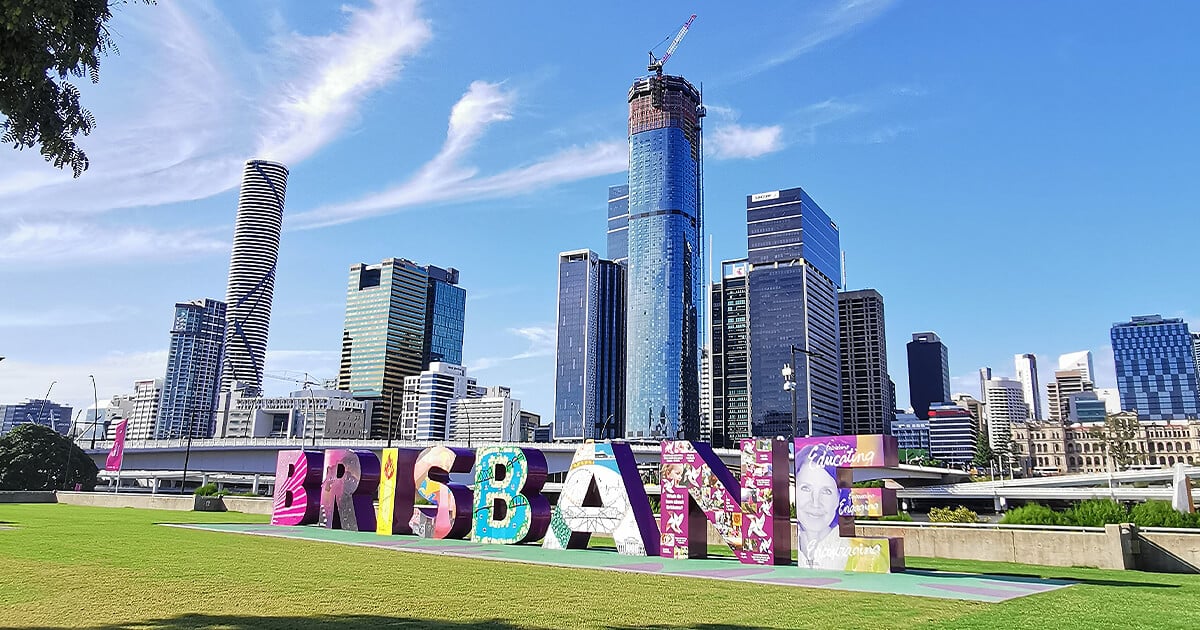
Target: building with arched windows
[1046, 448]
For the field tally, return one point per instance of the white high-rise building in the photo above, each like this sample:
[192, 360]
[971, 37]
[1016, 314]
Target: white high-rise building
[1081, 361]
[144, 414]
[1027, 374]
[1058, 392]
[1005, 407]
[427, 397]
[1111, 397]
[493, 417]
[252, 274]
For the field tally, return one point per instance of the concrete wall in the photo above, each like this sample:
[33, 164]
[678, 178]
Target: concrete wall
[27, 496]
[249, 505]
[1168, 551]
[145, 501]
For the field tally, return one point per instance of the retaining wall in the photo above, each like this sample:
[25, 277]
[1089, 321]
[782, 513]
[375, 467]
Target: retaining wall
[27, 496]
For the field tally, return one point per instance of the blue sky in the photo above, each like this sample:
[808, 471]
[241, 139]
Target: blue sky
[1014, 176]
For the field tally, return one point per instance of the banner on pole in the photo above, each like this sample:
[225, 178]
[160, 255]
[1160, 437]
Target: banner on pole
[117, 452]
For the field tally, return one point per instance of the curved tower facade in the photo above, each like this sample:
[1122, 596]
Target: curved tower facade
[252, 274]
[664, 277]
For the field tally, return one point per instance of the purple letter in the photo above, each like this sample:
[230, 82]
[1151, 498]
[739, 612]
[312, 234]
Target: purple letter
[297, 488]
[348, 490]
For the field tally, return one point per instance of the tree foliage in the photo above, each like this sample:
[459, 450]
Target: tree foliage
[34, 457]
[43, 44]
[1118, 438]
[983, 454]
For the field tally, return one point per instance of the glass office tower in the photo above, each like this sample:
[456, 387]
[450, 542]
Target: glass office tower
[795, 268]
[589, 377]
[189, 395]
[928, 372]
[664, 264]
[1156, 368]
[445, 317]
[730, 356]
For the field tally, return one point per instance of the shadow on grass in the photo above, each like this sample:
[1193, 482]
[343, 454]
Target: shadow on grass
[341, 622]
[1002, 576]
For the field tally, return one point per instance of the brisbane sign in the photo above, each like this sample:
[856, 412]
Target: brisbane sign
[603, 494]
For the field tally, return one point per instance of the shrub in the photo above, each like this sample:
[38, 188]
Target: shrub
[902, 516]
[207, 490]
[1032, 514]
[1161, 514]
[959, 514]
[1096, 513]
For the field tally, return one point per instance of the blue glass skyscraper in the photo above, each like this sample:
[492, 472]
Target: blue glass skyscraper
[189, 394]
[1156, 368]
[928, 372]
[665, 224]
[618, 223]
[445, 317]
[589, 377]
[795, 269]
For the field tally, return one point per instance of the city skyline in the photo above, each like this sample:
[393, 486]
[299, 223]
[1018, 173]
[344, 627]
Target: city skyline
[124, 341]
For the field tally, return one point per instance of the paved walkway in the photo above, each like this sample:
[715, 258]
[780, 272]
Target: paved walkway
[982, 588]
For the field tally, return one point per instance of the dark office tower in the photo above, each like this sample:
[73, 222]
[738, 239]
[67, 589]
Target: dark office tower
[1156, 368]
[589, 383]
[928, 372]
[867, 405]
[730, 356]
[445, 315]
[795, 267]
[252, 275]
[665, 279]
[618, 223]
[189, 394]
[384, 338]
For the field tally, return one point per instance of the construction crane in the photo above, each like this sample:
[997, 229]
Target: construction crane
[656, 64]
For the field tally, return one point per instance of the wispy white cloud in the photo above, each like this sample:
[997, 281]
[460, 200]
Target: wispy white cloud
[842, 18]
[64, 317]
[180, 114]
[446, 176]
[731, 141]
[69, 241]
[883, 135]
[541, 340]
[24, 377]
[330, 76]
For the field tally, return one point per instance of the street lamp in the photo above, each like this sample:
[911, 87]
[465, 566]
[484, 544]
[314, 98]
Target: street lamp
[789, 384]
[604, 426]
[96, 402]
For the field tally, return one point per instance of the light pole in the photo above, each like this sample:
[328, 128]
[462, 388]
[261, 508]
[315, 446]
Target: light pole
[96, 402]
[789, 384]
[604, 426]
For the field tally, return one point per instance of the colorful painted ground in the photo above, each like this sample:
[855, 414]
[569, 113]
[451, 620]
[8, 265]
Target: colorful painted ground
[916, 582]
[76, 567]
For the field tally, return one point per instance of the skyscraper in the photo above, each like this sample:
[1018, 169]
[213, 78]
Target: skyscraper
[928, 372]
[665, 223]
[1156, 368]
[953, 433]
[40, 411]
[795, 268]
[1196, 352]
[445, 317]
[189, 394]
[1059, 391]
[252, 275]
[1081, 361]
[866, 390]
[618, 223]
[730, 355]
[389, 310]
[427, 399]
[589, 377]
[1005, 400]
[1027, 374]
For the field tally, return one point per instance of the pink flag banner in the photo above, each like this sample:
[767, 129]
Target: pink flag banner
[117, 452]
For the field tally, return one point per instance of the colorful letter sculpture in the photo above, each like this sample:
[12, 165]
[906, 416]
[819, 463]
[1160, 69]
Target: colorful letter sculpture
[509, 505]
[297, 488]
[871, 502]
[397, 491]
[603, 494]
[449, 516]
[348, 490]
[696, 488]
[824, 504]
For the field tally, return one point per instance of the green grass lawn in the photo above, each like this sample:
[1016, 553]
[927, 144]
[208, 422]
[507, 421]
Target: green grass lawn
[68, 566]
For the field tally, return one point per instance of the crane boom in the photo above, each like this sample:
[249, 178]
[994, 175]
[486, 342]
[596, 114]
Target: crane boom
[656, 64]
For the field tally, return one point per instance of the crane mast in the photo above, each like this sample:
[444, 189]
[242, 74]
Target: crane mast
[656, 64]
